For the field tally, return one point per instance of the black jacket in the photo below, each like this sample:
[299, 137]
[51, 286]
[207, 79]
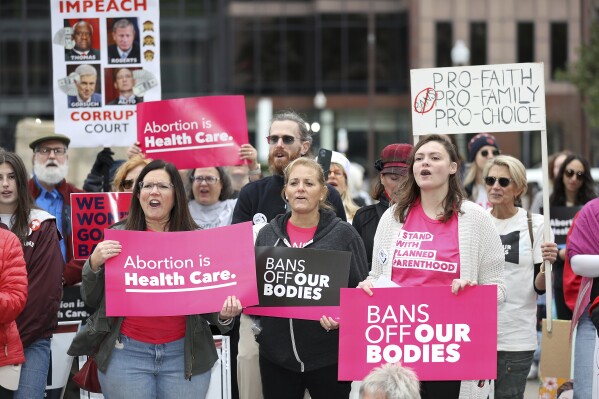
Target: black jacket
[303, 345]
[366, 221]
[264, 197]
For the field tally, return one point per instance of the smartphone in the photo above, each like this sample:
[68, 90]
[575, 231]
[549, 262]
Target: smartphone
[324, 159]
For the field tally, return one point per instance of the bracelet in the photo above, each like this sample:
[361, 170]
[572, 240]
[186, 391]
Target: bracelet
[542, 271]
[256, 171]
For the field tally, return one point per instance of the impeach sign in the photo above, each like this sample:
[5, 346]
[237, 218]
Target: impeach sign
[300, 283]
[180, 273]
[484, 98]
[439, 335]
[193, 132]
[91, 214]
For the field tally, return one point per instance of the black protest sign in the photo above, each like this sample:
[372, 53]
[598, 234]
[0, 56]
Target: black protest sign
[300, 276]
[72, 307]
[561, 220]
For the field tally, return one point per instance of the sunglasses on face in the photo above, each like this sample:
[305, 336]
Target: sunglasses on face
[571, 172]
[503, 181]
[127, 184]
[485, 153]
[274, 139]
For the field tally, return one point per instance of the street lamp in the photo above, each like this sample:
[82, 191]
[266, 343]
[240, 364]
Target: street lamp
[326, 121]
[460, 54]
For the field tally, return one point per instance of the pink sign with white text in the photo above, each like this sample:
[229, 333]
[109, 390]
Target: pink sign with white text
[180, 273]
[193, 132]
[439, 335]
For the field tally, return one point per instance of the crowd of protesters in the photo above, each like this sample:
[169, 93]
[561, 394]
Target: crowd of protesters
[472, 210]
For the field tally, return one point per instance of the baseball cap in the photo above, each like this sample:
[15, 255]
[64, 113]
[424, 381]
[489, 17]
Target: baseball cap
[394, 158]
[55, 136]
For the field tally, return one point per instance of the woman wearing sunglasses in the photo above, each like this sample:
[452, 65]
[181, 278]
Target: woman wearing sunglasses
[126, 174]
[209, 194]
[525, 251]
[573, 186]
[481, 148]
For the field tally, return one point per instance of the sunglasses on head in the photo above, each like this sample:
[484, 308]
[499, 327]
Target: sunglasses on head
[485, 153]
[503, 181]
[127, 184]
[274, 139]
[572, 172]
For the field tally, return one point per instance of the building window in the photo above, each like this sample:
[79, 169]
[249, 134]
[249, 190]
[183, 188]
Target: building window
[478, 43]
[443, 44]
[525, 42]
[559, 47]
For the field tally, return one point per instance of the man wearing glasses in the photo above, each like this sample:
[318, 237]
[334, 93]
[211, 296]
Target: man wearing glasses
[260, 201]
[52, 193]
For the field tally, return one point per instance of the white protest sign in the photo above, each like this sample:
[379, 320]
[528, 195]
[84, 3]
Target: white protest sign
[105, 61]
[474, 99]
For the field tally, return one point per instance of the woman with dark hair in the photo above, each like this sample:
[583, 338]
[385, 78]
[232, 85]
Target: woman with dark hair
[39, 238]
[209, 197]
[431, 199]
[296, 355]
[392, 167]
[151, 357]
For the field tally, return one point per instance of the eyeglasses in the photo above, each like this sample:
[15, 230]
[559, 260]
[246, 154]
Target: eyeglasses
[337, 173]
[274, 139]
[503, 181]
[571, 172]
[485, 153]
[208, 179]
[45, 151]
[127, 184]
[149, 187]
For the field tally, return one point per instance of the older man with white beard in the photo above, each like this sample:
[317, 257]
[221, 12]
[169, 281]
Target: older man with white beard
[52, 193]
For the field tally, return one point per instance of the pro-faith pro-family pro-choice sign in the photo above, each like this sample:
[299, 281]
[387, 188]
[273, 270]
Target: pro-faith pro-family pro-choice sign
[180, 273]
[474, 99]
[439, 335]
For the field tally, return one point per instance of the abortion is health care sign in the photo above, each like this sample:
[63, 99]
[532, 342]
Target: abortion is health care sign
[91, 213]
[180, 273]
[473, 99]
[193, 132]
[439, 335]
[97, 81]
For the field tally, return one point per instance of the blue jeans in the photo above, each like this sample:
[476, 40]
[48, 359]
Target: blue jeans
[584, 353]
[139, 370]
[512, 370]
[34, 372]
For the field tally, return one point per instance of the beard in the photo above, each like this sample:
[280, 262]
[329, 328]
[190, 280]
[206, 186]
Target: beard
[50, 174]
[278, 165]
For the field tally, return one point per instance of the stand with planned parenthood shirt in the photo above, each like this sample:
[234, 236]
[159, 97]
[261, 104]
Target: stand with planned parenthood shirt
[87, 55]
[299, 283]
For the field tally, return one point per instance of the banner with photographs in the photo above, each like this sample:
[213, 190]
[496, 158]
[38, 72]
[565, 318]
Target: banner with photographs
[106, 60]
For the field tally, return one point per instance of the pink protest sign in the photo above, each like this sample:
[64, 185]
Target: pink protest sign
[439, 335]
[180, 273]
[193, 132]
[91, 213]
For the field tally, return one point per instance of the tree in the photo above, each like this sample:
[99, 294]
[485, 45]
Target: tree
[584, 74]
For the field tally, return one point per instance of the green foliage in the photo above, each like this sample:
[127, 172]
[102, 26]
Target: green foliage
[584, 74]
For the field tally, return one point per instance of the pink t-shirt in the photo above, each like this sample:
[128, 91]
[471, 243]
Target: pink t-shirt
[299, 236]
[426, 251]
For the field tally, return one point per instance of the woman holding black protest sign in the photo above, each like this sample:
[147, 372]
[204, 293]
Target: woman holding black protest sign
[432, 200]
[296, 355]
[39, 237]
[150, 357]
[526, 250]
